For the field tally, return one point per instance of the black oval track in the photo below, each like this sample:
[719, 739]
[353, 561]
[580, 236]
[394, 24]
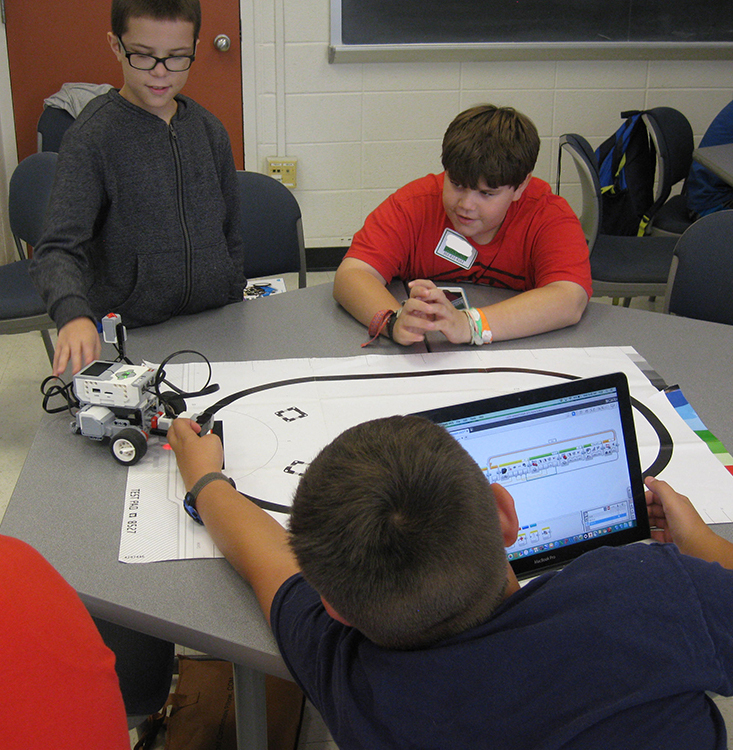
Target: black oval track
[662, 459]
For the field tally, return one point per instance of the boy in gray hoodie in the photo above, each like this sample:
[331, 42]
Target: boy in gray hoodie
[143, 219]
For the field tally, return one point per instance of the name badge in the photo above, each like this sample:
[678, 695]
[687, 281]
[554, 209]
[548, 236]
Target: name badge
[457, 249]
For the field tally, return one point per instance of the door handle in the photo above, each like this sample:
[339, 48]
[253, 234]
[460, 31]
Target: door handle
[222, 43]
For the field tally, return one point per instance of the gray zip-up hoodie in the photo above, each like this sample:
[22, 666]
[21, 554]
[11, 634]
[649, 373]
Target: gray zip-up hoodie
[143, 219]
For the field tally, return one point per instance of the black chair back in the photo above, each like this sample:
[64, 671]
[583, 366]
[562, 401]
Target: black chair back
[28, 196]
[271, 226]
[621, 266]
[21, 307]
[52, 125]
[672, 135]
[701, 278]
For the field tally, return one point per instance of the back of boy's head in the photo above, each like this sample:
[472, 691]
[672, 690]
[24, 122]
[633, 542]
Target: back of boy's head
[395, 525]
[496, 145]
[160, 10]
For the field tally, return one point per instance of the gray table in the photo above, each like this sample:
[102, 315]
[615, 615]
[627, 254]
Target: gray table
[68, 501]
[694, 354]
[718, 159]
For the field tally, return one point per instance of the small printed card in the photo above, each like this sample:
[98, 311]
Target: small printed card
[457, 249]
[257, 288]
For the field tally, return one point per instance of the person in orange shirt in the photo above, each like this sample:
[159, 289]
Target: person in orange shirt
[58, 685]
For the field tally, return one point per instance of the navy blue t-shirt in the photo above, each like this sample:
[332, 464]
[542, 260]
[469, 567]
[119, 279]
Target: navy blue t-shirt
[615, 651]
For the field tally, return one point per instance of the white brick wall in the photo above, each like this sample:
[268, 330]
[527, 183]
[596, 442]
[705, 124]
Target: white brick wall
[360, 130]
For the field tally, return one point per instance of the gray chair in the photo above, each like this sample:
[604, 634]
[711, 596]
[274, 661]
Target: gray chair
[21, 307]
[673, 141]
[621, 266]
[701, 277]
[272, 227]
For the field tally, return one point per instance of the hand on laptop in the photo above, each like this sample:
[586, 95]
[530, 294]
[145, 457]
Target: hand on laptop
[674, 519]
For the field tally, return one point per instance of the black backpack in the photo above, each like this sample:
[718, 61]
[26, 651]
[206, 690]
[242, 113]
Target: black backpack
[626, 164]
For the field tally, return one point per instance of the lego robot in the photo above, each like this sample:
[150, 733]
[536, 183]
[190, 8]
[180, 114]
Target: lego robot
[120, 401]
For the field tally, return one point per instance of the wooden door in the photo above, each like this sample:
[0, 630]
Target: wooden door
[51, 42]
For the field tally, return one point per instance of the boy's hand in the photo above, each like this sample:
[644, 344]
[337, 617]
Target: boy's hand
[677, 521]
[252, 540]
[428, 309]
[196, 454]
[675, 518]
[79, 342]
[414, 321]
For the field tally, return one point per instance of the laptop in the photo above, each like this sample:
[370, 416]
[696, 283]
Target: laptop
[568, 455]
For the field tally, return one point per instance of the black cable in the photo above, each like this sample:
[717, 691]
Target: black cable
[121, 355]
[64, 391]
[208, 388]
[119, 345]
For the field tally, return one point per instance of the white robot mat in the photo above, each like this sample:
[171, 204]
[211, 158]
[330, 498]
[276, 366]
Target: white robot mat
[289, 409]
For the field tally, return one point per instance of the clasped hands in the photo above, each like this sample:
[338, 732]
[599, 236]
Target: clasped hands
[428, 309]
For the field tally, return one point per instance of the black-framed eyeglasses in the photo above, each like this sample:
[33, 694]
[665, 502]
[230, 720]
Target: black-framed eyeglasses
[174, 63]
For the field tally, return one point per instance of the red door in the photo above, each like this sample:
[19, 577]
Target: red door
[52, 42]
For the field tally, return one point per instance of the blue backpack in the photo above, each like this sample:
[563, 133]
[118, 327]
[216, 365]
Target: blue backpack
[627, 163]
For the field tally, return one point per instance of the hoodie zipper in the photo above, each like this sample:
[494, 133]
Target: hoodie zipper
[182, 220]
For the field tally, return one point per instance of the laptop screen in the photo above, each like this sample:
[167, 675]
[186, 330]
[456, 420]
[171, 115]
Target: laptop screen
[568, 455]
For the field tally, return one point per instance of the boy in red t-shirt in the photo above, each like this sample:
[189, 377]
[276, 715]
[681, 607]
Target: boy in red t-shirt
[485, 220]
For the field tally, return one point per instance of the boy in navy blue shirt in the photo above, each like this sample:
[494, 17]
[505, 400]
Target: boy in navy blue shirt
[397, 612]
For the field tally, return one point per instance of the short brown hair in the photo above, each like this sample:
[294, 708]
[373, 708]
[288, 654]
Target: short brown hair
[163, 10]
[395, 525]
[495, 144]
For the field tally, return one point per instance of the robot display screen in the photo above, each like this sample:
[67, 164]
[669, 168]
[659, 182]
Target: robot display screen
[95, 369]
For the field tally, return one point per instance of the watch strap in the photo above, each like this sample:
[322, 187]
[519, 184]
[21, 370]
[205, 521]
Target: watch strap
[189, 501]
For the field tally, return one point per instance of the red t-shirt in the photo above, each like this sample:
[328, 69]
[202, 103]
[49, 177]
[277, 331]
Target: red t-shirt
[539, 241]
[58, 685]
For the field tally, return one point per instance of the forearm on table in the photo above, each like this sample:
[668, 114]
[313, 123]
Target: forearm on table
[547, 308]
[253, 542]
[362, 292]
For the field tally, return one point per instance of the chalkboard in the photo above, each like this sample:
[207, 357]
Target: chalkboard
[582, 28]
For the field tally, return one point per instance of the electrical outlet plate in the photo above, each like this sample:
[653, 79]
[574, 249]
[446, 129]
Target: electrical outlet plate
[283, 168]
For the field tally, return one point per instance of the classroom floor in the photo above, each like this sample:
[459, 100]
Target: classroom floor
[23, 365]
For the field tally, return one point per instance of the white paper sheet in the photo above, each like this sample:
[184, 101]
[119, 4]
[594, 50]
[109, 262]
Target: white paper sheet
[272, 434]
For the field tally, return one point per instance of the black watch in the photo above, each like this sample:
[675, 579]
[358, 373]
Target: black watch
[189, 501]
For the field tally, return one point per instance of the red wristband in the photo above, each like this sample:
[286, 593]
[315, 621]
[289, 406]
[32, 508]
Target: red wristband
[378, 324]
